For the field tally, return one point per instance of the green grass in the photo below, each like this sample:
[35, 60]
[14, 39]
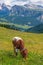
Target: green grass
[33, 42]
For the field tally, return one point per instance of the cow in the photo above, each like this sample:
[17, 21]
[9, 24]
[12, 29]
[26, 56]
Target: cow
[18, 43]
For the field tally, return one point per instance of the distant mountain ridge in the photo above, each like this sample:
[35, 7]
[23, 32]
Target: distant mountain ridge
[24, 15]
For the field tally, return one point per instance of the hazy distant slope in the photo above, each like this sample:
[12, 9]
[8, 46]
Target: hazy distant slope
[36, 29]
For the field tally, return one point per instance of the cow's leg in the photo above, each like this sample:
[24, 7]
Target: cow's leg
[15, 51]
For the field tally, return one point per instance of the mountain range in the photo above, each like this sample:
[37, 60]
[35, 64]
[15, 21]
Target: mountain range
[28, 14]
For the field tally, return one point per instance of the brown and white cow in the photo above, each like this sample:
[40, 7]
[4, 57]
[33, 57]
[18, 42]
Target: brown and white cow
[18, 43]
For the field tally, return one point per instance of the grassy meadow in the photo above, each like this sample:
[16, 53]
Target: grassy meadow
[33, 42]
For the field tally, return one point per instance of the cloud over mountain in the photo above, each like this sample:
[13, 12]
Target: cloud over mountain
[19, 2]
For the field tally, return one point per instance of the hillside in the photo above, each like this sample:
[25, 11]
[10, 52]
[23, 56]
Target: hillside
[33, 42]
[36, 29]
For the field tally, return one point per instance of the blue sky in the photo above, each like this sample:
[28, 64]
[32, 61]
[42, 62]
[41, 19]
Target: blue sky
[21, 2]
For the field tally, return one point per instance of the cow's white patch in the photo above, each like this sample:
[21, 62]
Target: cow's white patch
[17, 38]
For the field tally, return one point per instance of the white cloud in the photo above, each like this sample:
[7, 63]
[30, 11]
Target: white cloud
[1, 1]
[34, 0]
[18, 2]
[15, 2]
[7, 2]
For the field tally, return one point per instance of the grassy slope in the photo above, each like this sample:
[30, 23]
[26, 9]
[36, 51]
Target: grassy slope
[33, 42]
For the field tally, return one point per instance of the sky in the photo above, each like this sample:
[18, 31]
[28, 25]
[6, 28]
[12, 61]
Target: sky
[19, 2]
